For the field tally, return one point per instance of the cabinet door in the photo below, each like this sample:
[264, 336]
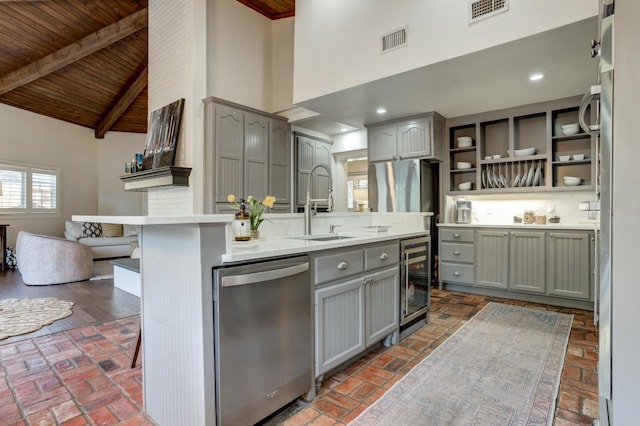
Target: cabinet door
[256, 156]
[492, 260]
[569, 265]
[306, 154]
[382, 304]
[414, 140]
[229, 137]
[321, 179]
[279, 160]
[339, 311]
[527, 262]
[382, 143]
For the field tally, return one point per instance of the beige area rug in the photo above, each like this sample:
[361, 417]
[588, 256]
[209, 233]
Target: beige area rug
[20, 316]
[501, 368]
[102, 270]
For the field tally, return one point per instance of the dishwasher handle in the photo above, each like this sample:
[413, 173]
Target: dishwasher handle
[258, 277]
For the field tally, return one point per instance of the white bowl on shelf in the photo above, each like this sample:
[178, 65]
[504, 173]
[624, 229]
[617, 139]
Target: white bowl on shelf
[464, 142]
[572, 180]
[464, 186]
[524, 152]
[462, 165]
[487, 157]
[496, 156]
[578, 156]
[564, 157]
[570, 129]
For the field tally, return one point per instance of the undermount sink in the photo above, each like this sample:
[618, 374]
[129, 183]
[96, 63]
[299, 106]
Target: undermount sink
[322, 237]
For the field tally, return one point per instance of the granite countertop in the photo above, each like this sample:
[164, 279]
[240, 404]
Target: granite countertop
[558, 226]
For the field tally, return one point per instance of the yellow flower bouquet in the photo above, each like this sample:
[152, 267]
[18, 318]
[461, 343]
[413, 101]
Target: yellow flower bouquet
[256, 208]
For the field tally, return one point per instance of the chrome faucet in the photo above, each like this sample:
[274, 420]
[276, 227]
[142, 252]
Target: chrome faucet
[308, 211]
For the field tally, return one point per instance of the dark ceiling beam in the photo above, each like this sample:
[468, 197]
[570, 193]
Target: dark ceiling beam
[75, 51]
[121, 105]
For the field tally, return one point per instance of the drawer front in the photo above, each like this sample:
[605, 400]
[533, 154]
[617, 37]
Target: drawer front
[457, 252]
[464, 235]
[457, 273]
[336, 266]
[377, 257]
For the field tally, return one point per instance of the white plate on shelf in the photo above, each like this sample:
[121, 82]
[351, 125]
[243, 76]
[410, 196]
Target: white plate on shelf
[536, 177]
[530, 175]
[483, 178]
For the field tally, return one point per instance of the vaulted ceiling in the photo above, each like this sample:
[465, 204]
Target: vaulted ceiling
[84, 61]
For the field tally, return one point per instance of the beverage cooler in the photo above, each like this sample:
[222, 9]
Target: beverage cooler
[415, 279]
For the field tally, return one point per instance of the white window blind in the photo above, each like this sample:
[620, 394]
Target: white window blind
[28, 190]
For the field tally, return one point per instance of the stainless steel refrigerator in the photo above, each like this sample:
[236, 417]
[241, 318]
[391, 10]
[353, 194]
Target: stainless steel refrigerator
[602, 96]
[403, 186]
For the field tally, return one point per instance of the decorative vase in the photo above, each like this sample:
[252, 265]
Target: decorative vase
[255, 234]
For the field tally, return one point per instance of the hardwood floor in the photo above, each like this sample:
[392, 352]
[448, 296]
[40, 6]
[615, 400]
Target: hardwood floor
[95, 302]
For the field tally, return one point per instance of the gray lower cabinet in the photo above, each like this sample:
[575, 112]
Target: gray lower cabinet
[569, 265]
[246, 152]
[538, 262]
[492, 263]
[353, 315]
[527, 261]
[356, 301]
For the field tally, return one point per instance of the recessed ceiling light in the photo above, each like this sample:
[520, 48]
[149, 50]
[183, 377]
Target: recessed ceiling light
[343, 129]
[536, 76]
[381, 110]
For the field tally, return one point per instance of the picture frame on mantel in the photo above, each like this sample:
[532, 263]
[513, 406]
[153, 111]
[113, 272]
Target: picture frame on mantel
[162, 136]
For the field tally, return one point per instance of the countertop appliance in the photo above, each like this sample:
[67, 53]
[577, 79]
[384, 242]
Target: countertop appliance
[463, 211]
[603, 129]
[263, 325]
[415, 279]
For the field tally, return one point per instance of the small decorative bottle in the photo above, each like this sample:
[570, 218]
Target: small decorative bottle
[242, 224]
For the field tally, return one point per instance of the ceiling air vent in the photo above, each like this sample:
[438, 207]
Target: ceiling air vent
[394, 40]
[481, 9]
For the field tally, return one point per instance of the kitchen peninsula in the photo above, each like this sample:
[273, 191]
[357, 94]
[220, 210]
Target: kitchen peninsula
[178, 255]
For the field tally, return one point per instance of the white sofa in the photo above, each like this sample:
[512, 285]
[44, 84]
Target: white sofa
[107, 245]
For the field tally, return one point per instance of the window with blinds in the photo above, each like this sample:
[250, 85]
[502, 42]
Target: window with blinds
[28, 190]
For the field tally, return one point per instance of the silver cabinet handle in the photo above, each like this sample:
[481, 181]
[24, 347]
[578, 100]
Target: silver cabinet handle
[342, 266]
[457, 253]
[512, 234]
[551, 235]
[258, 277]
[456, 274]
[384, 256]
[506, 234]
[456, 235]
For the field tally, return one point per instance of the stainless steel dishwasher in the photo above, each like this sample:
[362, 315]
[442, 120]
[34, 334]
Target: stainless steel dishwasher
[263, 338]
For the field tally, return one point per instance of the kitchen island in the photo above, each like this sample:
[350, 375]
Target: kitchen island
[178, 255]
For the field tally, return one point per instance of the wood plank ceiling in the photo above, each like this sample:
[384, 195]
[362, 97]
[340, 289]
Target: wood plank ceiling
[84, 61]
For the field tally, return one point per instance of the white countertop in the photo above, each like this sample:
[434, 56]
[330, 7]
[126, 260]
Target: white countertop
[559, 226]
[243, 251]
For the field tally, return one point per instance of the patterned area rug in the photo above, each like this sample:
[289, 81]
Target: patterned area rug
[501, 368]
[20, 316]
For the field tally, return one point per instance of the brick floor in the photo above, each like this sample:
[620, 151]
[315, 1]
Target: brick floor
[75, 377]
[82, 376]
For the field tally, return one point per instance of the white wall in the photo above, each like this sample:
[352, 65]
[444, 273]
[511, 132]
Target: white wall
[38, 140]
[113, 151]
[626, 204]
[337, 42]
[89, 167]
[282, 63]
[351, 141]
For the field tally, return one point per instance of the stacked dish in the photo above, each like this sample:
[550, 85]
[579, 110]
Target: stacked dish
[570, 129]
[461, 165]
[571, 180]
[464, 142]
[464, 186]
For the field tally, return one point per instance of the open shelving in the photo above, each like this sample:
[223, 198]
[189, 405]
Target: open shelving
[500, 133]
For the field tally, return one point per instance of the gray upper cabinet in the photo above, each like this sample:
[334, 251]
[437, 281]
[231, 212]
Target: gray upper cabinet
[527, 261]
[280, 161]
[246, 152]
[492, 264]
[569, 272]
[415, 137]
[309, 153]
[256, 156]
